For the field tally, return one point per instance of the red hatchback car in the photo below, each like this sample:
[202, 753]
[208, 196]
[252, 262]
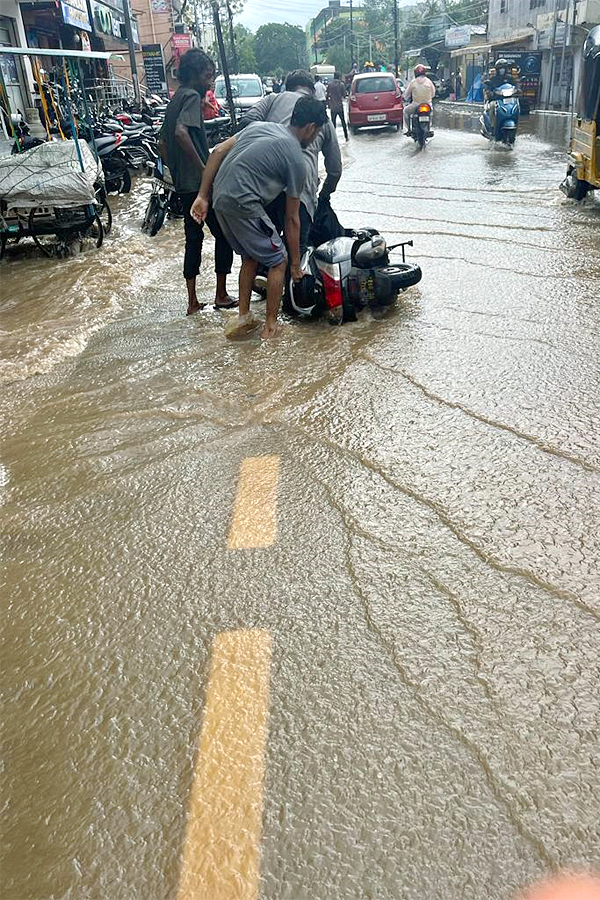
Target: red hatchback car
[375, 99]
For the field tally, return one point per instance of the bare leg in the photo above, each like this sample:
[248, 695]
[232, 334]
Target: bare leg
[193, 305]
[247, 276]
[222, 298]
[275, 281]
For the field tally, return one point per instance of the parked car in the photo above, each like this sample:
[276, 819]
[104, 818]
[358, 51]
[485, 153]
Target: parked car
[268, 83]
[246, 89]
[375, 99]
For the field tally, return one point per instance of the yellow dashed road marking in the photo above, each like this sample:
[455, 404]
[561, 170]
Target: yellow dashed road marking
[255, 514]
[222, 851]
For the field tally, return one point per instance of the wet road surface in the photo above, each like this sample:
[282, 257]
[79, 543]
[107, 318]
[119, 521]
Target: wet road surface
[383, 633]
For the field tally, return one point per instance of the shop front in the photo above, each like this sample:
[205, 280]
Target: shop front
[14, 74]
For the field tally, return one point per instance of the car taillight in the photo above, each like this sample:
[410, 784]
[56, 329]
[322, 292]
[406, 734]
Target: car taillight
[424, 108]
[332, 285]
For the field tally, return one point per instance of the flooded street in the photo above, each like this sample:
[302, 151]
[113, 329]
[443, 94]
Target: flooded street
[384, 633]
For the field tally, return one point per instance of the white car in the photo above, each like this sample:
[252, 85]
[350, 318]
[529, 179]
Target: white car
[246, 89]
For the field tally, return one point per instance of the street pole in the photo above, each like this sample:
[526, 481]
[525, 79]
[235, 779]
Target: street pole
[132, 59]
[351, 35]
[234, 55]
[225, 67]
[551, 73]
[562, 55]
[396, 58]
[314, 31]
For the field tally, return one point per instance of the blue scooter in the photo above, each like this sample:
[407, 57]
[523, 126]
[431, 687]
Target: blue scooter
[500, 117]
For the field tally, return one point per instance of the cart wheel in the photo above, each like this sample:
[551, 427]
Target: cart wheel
[31, 227]
[104, 210]
[96, 231]
[104, 214]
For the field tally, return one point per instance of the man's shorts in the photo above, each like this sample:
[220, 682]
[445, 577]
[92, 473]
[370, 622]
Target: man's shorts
[255, 239]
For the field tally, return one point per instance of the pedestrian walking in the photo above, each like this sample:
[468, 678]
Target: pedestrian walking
[336, 92]
[320, 90]
[458, 85]
[248, 172]
[184, 148]
[280, 109]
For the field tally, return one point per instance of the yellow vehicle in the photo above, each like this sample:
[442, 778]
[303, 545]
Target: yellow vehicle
[583, 173]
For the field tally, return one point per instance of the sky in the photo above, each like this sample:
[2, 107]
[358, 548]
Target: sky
[297, 12]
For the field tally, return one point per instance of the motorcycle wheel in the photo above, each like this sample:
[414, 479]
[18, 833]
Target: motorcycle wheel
[404, 275]
[118, 182]
[155, 215]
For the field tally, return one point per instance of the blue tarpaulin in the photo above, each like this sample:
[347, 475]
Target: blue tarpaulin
[475, 92]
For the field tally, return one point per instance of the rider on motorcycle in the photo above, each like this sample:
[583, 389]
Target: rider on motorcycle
[501, 73]
[420, 90]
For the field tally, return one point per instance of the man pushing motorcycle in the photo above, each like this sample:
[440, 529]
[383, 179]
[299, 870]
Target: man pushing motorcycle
[248, 172]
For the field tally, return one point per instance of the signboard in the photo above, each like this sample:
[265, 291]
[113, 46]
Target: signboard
[181, 43]
[154, 66]
[107, 20]
[160, 6]
[545, 27]
[459, 36]
[529, 63]
[75, 13]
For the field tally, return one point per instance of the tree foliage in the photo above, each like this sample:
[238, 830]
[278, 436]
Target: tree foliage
[279, 47]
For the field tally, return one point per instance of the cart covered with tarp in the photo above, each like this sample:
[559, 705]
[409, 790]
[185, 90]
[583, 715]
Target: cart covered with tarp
[50, 175]
[53, 191]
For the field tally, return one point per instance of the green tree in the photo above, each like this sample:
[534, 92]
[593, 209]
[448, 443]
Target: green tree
[279, 46]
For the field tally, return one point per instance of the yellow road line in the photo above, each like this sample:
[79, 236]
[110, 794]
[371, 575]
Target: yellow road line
[222, 850]
[255, 514]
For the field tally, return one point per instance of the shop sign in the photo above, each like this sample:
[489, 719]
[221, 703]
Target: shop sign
[75, 13]
[154, 66]
[545, 29]
[181, 43]
[459, 36]
[108, 21]
[160, 6]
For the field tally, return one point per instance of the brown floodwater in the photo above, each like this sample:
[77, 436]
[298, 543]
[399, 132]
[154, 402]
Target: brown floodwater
[431, 597]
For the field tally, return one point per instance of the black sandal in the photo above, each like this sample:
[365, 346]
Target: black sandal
[231, 305]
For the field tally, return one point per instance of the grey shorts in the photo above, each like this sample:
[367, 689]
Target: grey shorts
[255, 239]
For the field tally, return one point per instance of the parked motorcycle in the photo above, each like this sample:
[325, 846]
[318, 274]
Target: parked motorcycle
[420, 125]
[164, 200]
[348, 274]
[500, 118]
[217, 130]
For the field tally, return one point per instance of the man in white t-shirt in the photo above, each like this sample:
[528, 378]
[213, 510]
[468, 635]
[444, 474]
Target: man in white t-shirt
[320, 89]
[420, 90]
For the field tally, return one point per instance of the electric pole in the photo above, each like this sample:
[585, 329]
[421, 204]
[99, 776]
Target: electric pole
[217, 20]
[351, 37]
[234, 56]
[396, 56]
[132, 59]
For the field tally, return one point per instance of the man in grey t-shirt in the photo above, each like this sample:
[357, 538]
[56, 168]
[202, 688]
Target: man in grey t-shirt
[248, 172]
[279, 108]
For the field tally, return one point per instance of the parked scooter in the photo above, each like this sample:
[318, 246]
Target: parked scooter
[500, 118]
[420, 126]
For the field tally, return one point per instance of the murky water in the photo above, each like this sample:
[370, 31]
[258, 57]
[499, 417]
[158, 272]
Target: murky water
[432, 597]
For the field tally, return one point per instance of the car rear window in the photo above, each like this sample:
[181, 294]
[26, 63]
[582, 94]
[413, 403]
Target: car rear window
[374, 85]
[240, 87]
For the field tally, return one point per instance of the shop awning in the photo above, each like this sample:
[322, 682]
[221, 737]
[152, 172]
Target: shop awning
[77, 54]
[485, 48]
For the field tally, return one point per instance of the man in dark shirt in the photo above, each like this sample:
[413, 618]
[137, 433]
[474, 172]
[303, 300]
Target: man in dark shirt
[336, 92]
[184, 148]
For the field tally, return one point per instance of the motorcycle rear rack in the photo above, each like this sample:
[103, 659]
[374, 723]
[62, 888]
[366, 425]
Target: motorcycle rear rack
[402, 244]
